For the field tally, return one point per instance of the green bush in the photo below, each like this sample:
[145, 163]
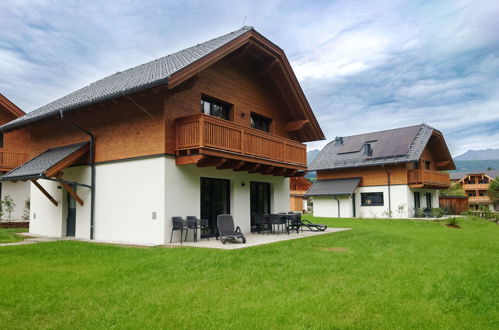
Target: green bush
[437, 212]
[418, 212]
[452, 221]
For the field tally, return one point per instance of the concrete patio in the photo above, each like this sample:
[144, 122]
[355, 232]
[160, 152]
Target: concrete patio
[254, 239]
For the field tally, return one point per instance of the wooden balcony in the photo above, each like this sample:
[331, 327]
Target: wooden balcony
[211, 141]
[479, 200]
[428, 179]
[11, 158]
[476, 186]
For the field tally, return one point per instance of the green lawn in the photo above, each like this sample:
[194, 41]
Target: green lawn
[8, 235]
[391, 274]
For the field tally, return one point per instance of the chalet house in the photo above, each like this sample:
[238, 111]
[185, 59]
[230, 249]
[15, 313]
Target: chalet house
[298, 187]
[381, 174]
[14, 150]
[216, 128]
[476, 184]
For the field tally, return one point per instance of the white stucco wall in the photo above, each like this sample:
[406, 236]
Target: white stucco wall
[183, 191]
[400, 196]
[327, 206]
[20, 192]
[45, 217]
[127, 194]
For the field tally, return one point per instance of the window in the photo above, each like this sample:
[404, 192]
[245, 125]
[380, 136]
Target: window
[215, 108]
[416, 165]
[369, 150]
[1, 140]
[417, 200]
[261, 123]
[428, 200]
[427, 164]
[371, 199]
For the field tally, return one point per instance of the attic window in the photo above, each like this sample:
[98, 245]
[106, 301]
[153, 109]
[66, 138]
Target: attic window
[215, 108]
[369, 150]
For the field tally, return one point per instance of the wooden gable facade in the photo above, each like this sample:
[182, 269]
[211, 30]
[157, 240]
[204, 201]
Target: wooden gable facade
[14, 146]
[249, 74]
[425, 173]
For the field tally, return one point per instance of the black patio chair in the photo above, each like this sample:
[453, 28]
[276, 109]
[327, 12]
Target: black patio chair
[226, 230]
[427, 213]
[179, 224]
[313, 226]
[194, 224]
[295, 222]
[260, 223]
[276, 220]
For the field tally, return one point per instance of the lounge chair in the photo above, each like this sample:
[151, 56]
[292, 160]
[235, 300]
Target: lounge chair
[313, 226]
[226, 231]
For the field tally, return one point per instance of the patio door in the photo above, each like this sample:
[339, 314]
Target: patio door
[215, 200]
[71, 219]
[259, 199]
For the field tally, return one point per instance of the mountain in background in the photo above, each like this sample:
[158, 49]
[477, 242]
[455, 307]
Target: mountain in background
[311, 155]
[484, 154]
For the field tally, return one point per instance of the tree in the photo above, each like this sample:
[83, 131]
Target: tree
[493, 191]
[454, 190]
[8, 205]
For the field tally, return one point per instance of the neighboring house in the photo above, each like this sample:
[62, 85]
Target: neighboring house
[298, 187]
[372, 175]
[14, 149]
[476, 184]
[216, 128]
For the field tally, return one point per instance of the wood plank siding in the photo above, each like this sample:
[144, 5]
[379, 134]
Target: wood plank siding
[15, 149]
[147, 123]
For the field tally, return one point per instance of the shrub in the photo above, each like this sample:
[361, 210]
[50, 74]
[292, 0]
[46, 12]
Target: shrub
[8, 205]
[437, 212]
[418, 212]
[25, 216]
[493, 191]
[452, 221]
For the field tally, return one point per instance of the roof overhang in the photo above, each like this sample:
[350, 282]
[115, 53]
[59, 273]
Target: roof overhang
[11, 107]
[48, 164]
[334, 187]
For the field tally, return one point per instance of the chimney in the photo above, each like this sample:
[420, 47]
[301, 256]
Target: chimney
[338, 141]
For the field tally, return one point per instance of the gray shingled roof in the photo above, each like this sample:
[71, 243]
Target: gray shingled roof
[459, 175]
[141, 77]
[335, 187]
[36, 167]
[396, 146]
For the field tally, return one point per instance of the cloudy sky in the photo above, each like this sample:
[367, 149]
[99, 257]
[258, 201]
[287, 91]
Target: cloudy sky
[364, 65]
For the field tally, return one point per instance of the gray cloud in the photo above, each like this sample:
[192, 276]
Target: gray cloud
[363, 65]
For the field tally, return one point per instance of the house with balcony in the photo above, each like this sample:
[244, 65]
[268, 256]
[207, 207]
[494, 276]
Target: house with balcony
[385, 174]
[216, 128]
[476, 184]
[298, 187]
[14, 149]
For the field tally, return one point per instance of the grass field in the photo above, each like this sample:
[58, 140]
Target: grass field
[382, 274]
[8, 235]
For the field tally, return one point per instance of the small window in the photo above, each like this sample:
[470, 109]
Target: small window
[372, 199]
[1, 140]
[369, 150]
[215, 108]
[261, 123]
[416, 165]
[427, 164]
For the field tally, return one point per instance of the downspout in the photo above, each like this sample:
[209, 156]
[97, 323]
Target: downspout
[92, 168]
[389, 197]
[338, 201]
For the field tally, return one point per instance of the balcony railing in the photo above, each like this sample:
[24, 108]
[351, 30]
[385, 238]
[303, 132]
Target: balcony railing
[428, 179]
[12, 158]
[476, 186]
[479, 199]
[203, 131]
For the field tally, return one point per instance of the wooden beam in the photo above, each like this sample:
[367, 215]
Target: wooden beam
[268, 170]
[239, 165]
[278, 171]
[184, 160]
[229, 164]
[66, 161]
[265, 67]
[52, 199]
[295, 125]
[444, 163]
[254, 169]
[290, 173]
[214, 161]
[245, 167]
[69, 189]
[139, 106]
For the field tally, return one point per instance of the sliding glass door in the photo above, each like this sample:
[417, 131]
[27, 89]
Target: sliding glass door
[215, 200]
